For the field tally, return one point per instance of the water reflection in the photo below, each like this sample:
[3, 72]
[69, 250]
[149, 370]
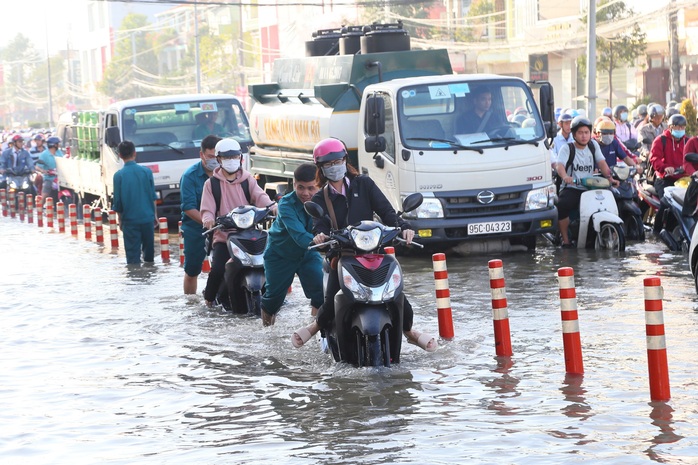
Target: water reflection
[141, 273]
[662, 417]
[574, 392]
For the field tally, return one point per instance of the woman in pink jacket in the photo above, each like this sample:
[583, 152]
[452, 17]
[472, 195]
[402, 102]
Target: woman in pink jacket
[237, 187]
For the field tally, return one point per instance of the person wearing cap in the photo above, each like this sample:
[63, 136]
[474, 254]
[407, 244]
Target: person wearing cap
[15, 159]
[134, 204]
[46, 165]
[191, 187]
[353, 198]
[236, 185]
[286, 254]
[564, 136]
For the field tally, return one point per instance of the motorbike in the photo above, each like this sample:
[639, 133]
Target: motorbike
[677, 227]
[367, 328]
[20, 182]
[693, 257]
[627, 199]
[246, 241]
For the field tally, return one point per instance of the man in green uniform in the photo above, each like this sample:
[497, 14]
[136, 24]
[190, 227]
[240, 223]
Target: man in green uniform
[134, 202]
[287, 251]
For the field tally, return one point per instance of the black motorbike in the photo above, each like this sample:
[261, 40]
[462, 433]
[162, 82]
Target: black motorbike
[367, 328]
[628, 201]
[246, 242]
[678, 223]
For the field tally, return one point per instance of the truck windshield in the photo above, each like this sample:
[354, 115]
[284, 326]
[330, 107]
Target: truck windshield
[470, 114]
[181, 126]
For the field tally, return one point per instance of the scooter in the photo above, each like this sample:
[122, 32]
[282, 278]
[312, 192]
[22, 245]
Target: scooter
[367, 328]
[246, 241]
[20, 182]
[627, 200]
[693, 257]
[677, 227]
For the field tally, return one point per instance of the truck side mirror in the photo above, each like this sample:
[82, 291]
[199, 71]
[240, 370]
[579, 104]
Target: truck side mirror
[375, 115]
[375, 144]
[547, 108]
[112, 137]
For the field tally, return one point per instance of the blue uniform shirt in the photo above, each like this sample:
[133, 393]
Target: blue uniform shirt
[134, 194]
[612, 152]
[290, 233]
[191, 187]
[47, 161]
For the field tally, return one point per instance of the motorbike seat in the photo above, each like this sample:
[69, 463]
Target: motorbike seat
[678, 194]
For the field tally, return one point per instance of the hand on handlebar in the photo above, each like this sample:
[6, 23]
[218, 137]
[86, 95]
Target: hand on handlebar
[407, 235]
[209, 224]
[669, 170]
[320, 238]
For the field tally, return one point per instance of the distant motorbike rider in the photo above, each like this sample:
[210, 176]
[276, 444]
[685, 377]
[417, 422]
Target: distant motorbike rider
[16, 159]
[624, 130]
[654, 127]
[580, 166]
[564, 136]
[641, 116]
[611, 147]
[47, 166]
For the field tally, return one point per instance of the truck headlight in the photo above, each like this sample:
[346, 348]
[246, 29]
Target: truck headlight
[540, 198]
[430, 208]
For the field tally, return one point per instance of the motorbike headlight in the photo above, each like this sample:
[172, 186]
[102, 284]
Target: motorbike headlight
[366, 240]
[244, 220]
[621, 171]
[25, 185]
[241, 255]
[393, 284]
[359, 291]
[430, 208]
[540, 198]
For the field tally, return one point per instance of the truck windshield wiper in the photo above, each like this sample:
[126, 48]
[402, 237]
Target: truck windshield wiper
[511, 140]
[495, 139]
[452, 143]
[161, 144]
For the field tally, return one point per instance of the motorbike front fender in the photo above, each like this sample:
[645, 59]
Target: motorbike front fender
[629, 206]
[604, 217]
[254, 279]
[371, 319]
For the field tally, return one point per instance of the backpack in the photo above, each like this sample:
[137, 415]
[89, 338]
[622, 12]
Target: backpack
[216, 191]
[650, 173]
[570, 160]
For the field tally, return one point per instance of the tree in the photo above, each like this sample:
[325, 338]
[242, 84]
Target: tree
[689, 111]
[19, 58]
[477, 27]
[418, 9]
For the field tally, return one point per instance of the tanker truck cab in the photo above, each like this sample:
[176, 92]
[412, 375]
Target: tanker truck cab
[476, 148]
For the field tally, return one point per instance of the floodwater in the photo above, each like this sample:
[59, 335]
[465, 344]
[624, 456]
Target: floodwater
[110, 365]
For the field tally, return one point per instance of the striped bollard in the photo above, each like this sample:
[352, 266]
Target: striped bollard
[60, 213]
[13, 204]
[73, 218]
[500, 312]
[656, 340]
[113, 230]
[206, 266]
[570, 322]
[30, 208]
[49, 212]
[3, 201]
[39, 202]
[164, 240]
[443, 296]
[181, 243]
[20, 205]
[86, 222]
[99, 232]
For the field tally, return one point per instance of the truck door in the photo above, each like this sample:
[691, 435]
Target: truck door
[109, 158]
[382, 166]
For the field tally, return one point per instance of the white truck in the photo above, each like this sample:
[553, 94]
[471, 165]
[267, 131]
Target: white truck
[409, 124]
[167, 132]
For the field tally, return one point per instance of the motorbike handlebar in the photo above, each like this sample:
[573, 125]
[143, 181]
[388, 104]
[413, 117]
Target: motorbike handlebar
[218, 226]
[330, 242]
[417, 244]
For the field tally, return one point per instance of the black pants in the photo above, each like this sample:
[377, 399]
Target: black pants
[325, 314]
[215, 285]
[659, 185]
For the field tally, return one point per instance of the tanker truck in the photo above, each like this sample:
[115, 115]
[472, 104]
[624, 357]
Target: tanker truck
[413, 126]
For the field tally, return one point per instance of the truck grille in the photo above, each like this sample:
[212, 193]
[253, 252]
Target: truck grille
[464, 204]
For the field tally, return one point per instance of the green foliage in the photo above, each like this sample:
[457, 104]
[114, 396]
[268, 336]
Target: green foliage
[689, 111]
[477, 26]
[418, 10]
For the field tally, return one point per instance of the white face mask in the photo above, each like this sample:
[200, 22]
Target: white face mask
[230, 165]
[607, 139]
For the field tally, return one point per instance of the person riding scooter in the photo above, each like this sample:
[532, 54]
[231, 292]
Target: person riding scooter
[575, 161]
[611, 146]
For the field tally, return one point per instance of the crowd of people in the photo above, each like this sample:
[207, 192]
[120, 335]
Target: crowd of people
[652, 134]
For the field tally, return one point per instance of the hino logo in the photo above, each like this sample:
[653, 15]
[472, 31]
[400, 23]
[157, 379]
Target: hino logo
[485, 197]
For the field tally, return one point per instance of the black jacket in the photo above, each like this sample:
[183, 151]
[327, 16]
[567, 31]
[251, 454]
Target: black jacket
[363, 199]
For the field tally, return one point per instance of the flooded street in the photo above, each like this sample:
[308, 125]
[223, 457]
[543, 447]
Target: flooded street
[104, 364]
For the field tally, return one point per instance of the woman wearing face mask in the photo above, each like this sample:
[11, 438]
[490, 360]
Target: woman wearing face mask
[354, 198]
[237, 187]
[611, 147]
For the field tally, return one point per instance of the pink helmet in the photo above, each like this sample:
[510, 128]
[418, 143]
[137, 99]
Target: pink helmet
[328, 150]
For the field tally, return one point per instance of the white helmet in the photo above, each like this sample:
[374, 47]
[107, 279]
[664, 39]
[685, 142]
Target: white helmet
[228, 148]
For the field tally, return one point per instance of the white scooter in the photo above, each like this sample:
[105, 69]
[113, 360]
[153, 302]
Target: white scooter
[599, 226]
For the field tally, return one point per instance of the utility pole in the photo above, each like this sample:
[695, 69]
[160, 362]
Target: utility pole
[48, 66]
[591, 60]
[241, 52]
[196, 47]
[674, 48]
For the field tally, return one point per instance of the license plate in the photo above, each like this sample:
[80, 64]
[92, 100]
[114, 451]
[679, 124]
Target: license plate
[493, 227]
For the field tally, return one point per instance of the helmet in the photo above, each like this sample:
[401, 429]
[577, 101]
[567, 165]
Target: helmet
[17, 137]
[578, 122]
[328, 150]
[519, 119]
[671, 112]
[520, 111]
[53, 141]
[581, 112]
[677, 120]
[228, 148]
[606, 127]
[528, 123]
[655, 109]
[618, 109]
[672, 104]
[642, 110]
[564, 117]
[39, 137]
[607, 112]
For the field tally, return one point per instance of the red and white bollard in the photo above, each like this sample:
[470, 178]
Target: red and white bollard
[30, 208]
[500, 312]
[99, 232]
[49, 212]
[20, 205]
[113, 230]
[60, 213]
[73, 219]
[206, 266]
[181, 243]
[656, 340]
[13, 204]
[570, 321]
[86, 222]
[39, 202]
[443, 296]
[3, 201]
[164, 240]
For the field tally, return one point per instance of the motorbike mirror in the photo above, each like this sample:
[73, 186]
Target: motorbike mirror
[412, 202]
[692, 157]
[313, 209]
